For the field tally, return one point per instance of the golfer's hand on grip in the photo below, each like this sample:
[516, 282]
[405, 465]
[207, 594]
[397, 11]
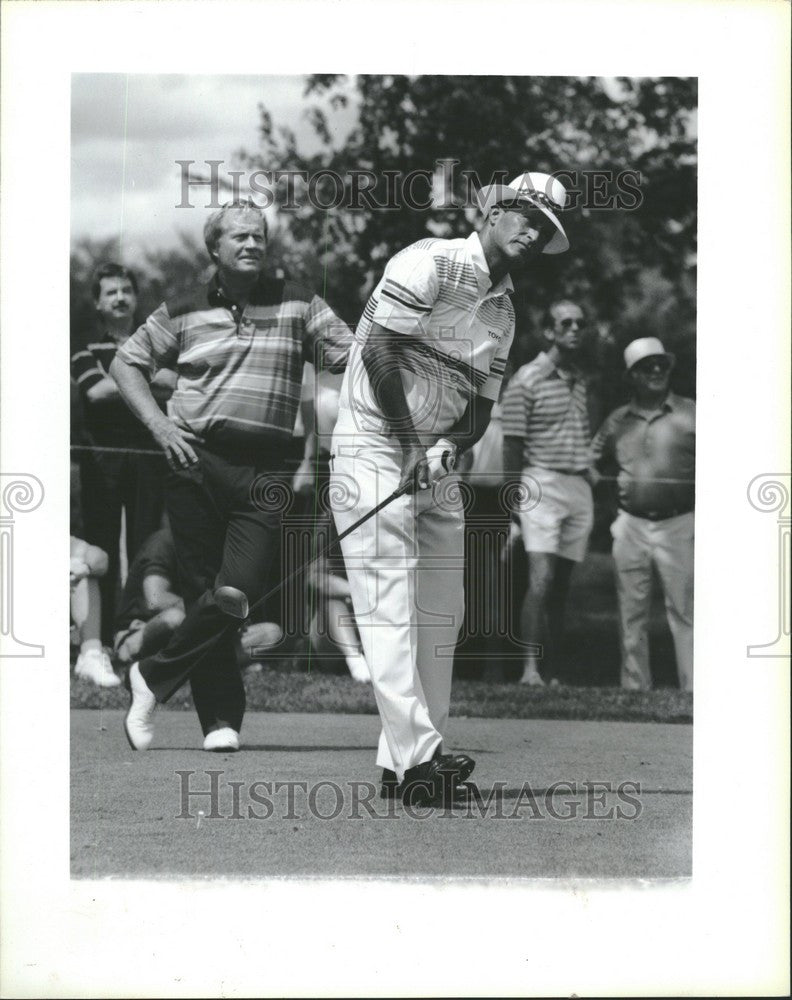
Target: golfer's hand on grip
[176, 443]
[415, 469]
[441, 459]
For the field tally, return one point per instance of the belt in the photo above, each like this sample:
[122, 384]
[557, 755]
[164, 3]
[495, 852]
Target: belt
[563, 472]
[658, 515]
[252, 452]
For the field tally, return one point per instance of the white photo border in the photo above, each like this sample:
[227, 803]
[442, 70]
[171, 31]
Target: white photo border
[723, 932]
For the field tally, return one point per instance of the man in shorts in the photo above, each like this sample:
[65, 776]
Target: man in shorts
[547, 433]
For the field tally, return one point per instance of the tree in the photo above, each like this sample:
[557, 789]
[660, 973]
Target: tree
[633, 266]
[161, 274]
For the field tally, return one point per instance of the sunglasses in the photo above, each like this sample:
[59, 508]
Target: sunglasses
[652, 365]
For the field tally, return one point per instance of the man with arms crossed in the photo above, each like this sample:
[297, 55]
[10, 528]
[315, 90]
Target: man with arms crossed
[121, 479]
[424, 372]
[546, 437]
[650, 444]
[238, 349]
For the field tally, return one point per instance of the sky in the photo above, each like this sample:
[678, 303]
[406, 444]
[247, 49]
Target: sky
[129, 131]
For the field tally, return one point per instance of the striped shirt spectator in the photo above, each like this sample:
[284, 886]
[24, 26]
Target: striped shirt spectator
[121, 482]
[240, 371]
[111, 424]
[548, 410]
[458, 331]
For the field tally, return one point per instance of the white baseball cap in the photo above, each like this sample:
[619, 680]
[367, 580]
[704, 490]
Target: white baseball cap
[644, 347]
[543, 191]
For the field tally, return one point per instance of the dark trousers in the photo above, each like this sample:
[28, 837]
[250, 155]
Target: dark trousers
[225, 516]
[110, 483]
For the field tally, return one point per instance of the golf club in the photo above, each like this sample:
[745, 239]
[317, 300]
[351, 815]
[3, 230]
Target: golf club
[234, 603]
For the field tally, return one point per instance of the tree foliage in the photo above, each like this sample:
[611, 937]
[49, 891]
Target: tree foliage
[161, 274]
[633, 269]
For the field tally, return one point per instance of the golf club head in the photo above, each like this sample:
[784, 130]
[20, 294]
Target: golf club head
[232, 602]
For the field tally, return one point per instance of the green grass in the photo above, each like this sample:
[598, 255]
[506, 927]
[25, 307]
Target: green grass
[281, 691]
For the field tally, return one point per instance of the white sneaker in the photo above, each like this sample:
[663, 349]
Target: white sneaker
[95, 666]
[138, 726]
[220, 740]
[532, 677]
[358, 668]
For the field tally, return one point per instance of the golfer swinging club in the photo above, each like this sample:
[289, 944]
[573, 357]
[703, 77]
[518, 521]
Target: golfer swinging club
[427, 364]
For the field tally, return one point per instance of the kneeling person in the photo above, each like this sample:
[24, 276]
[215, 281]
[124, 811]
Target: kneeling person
[151, 607]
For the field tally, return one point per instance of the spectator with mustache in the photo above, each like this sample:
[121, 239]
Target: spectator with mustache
[119, 481]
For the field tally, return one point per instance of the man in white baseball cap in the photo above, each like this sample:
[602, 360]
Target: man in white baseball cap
[647, 347]
[650, 445]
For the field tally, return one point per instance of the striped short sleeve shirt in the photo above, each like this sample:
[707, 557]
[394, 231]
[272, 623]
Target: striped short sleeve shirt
[110, 423]
[239, 371]
[547, 409]
[457, 329]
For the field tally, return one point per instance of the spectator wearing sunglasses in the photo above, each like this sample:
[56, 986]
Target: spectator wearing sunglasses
[650, 445]
[547, 435]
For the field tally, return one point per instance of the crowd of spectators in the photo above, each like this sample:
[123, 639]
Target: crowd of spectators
[530, 485]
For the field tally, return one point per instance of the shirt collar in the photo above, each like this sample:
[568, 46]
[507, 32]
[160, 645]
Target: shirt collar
[545, 362]
[548, 366]
[504, 286]
[215, 293]
[217, 297]
[669, 403]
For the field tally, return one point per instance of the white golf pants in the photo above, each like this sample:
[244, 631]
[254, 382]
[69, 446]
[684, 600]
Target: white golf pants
[637, 545]
[405, 570]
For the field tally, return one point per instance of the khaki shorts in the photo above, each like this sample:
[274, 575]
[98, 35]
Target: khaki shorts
[561, 520]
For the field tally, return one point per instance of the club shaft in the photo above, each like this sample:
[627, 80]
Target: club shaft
[331, 545]
[233, 625]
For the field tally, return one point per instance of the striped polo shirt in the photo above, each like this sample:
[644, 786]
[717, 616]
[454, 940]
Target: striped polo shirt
[239, 371]
[547, 409]
[457, 330]
[110, 422]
